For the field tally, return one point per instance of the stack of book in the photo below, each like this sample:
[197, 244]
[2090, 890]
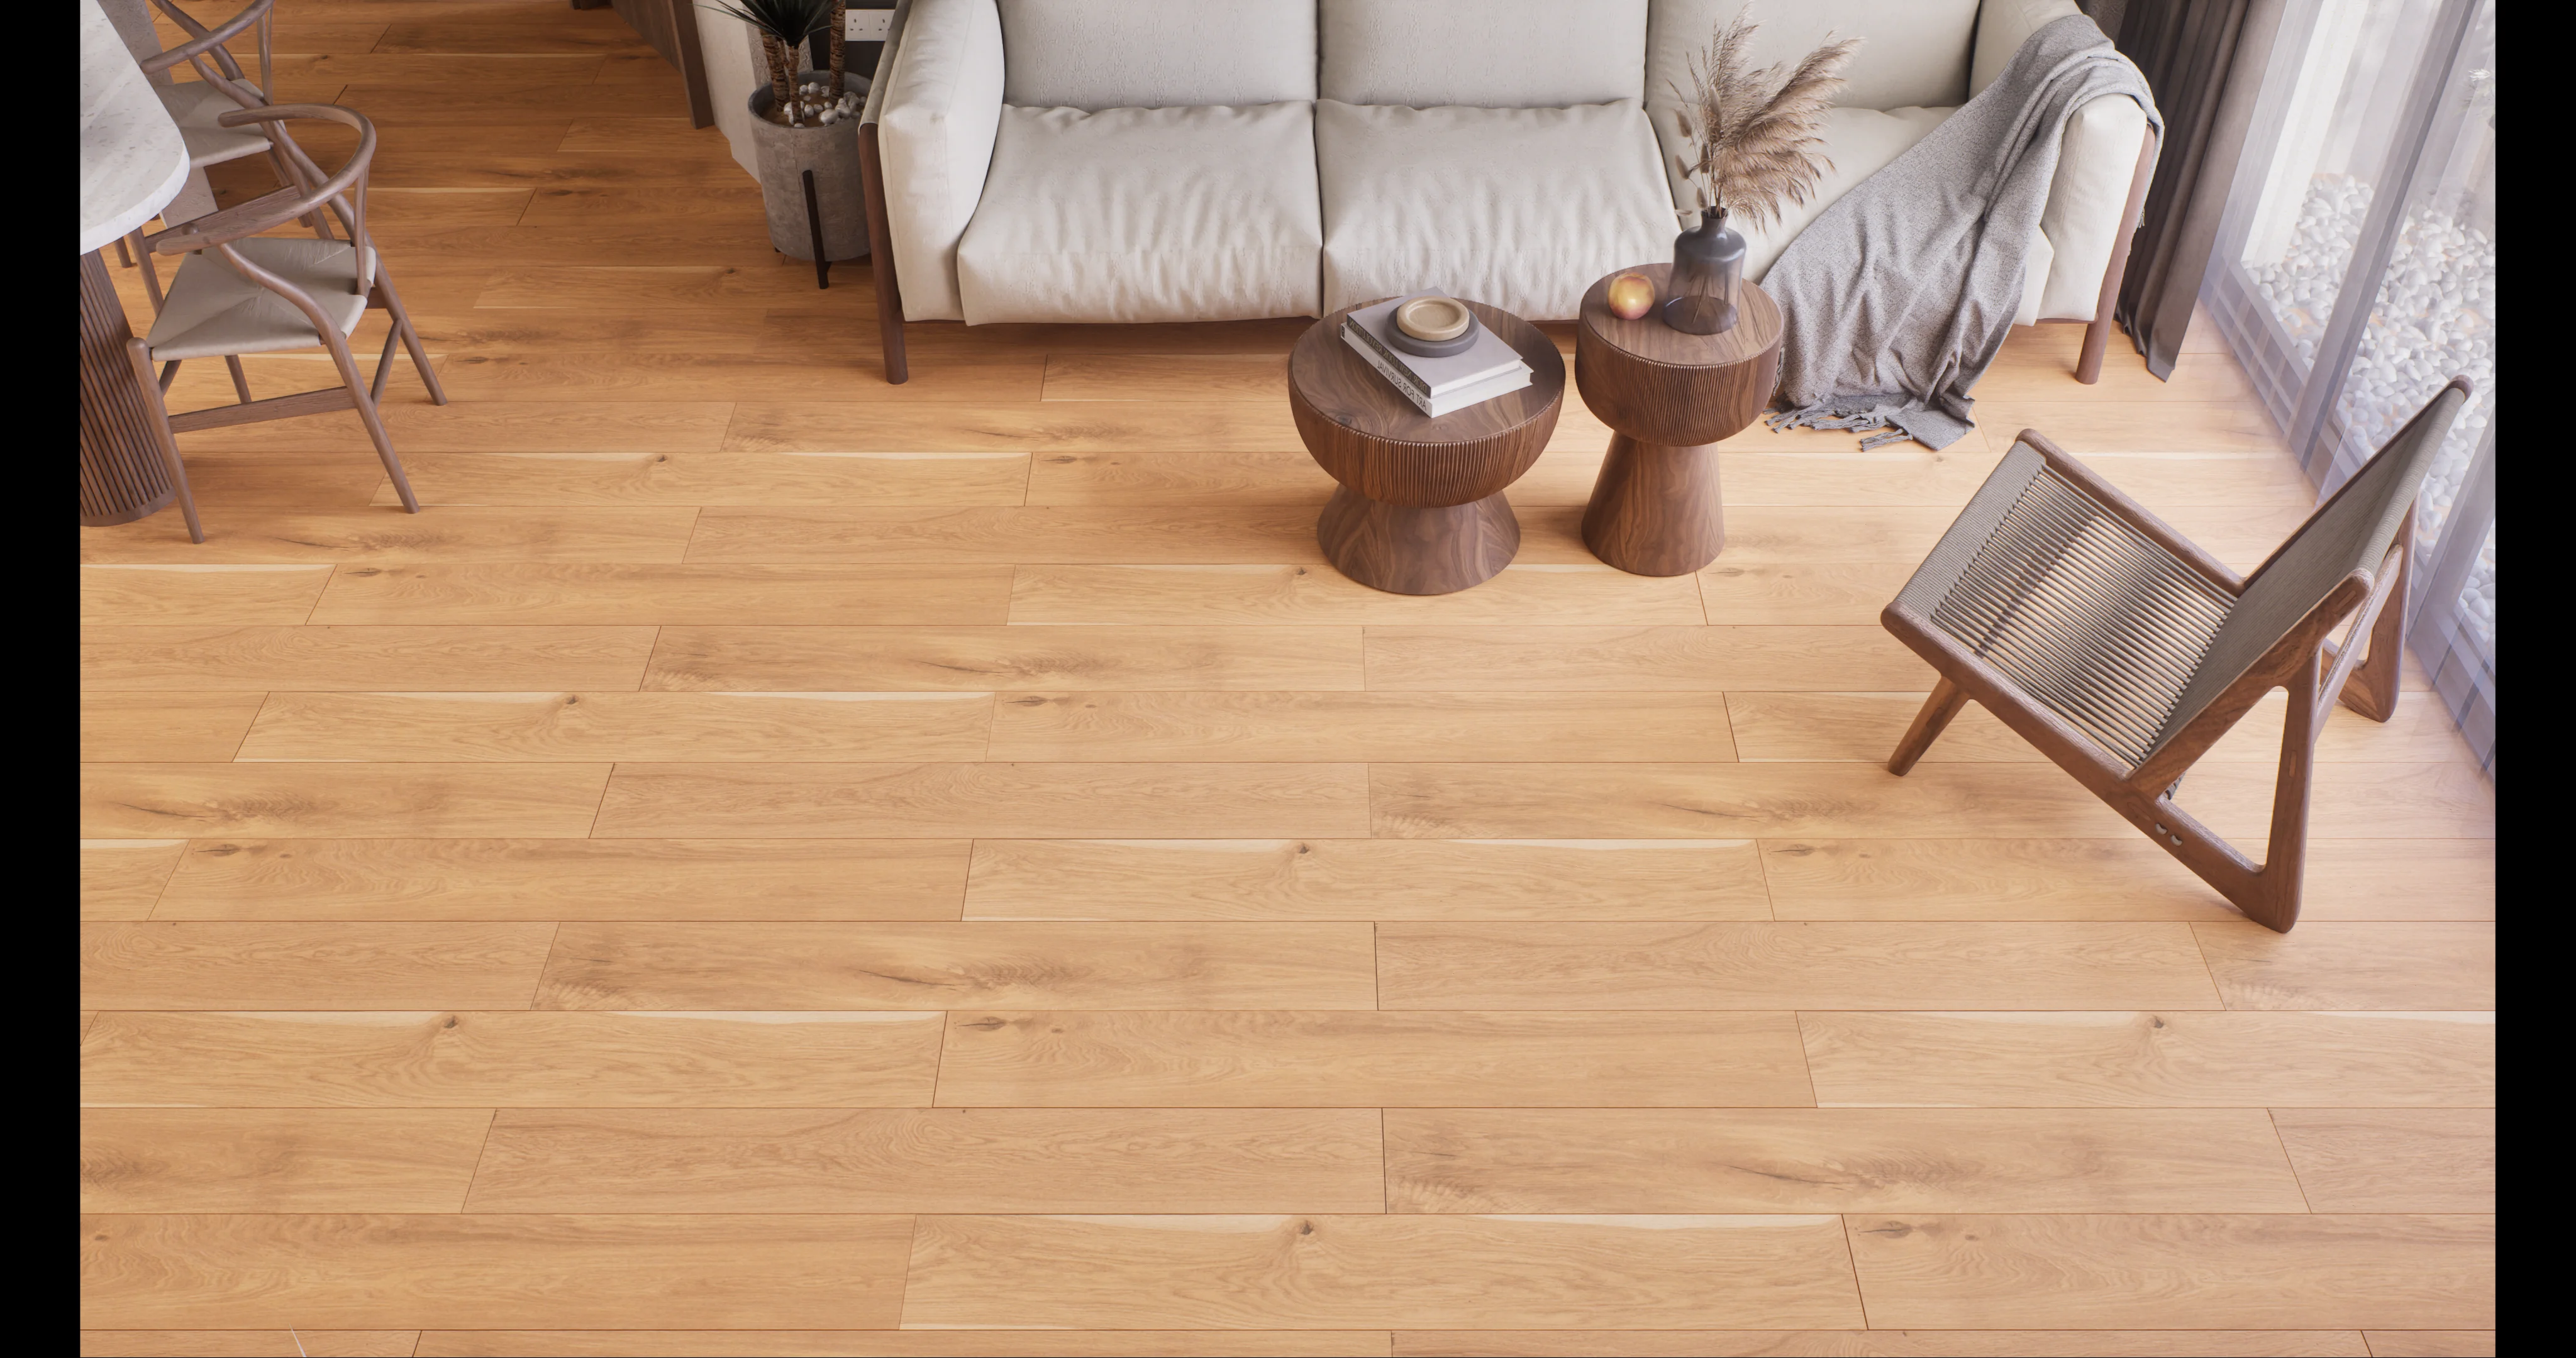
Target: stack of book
[1487, 369]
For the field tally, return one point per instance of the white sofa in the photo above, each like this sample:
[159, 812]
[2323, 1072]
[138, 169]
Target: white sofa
[1194, 160]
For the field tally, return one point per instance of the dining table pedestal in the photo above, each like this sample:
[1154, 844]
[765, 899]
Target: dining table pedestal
[123, 475]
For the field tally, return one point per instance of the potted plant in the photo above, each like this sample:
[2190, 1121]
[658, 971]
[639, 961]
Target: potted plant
[804, 130]
[1754, 142]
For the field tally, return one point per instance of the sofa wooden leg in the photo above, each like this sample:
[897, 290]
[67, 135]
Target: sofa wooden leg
[881, 257]
[2097, 336]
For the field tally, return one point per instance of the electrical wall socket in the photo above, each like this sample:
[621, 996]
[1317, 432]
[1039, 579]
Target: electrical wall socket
[866, 25]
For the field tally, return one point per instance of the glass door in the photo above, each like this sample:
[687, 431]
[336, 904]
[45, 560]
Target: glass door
[2356, 272]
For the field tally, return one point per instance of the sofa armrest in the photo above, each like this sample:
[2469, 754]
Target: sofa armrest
[2097, 159]
[2088, 203]
[937, 105]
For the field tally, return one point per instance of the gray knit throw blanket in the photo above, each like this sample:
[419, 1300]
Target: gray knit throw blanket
[1898, 296]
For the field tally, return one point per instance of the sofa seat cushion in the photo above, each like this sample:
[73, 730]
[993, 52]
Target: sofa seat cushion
[1520, 208]
[1146, 214]
[1859, 142]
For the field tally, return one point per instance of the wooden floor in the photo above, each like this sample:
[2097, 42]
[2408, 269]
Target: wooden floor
[773, 863]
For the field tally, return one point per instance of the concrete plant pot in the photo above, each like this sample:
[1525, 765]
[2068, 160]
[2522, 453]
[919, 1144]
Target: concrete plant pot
[831, 151]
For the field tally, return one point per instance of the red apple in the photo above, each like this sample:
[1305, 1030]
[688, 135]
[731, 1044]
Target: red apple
[1631, 296]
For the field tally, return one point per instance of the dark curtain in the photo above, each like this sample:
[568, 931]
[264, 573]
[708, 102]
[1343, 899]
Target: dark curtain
[2204, 59]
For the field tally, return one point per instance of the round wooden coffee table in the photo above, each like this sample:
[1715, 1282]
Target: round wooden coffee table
[1420, 508]
[1668, 397]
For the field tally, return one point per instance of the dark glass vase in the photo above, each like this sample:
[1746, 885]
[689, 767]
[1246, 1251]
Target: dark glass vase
[1708, 269]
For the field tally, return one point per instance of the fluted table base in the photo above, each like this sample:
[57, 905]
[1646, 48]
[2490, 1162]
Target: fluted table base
[122, 475]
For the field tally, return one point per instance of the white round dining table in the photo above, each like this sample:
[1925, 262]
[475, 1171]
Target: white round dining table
[132, 163]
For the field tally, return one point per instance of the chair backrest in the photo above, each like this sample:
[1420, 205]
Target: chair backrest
[206, 51]
[2352, 531]
[1097, 54]
[344, 191]
[1482, 53]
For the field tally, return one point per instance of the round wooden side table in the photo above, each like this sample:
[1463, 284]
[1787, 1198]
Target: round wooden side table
[1668, 398]
[1420, 508]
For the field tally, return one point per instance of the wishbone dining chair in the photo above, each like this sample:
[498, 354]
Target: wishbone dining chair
[2123, 651]
[239, 292]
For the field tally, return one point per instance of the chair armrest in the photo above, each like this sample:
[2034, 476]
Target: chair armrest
[937, 106]
[2002, 27]
[2138, 516]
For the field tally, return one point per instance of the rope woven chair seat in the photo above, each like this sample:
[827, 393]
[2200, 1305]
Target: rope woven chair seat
[2080, 610]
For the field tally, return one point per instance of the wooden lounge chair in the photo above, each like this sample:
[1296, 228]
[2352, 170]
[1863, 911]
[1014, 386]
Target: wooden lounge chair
[2123, 652]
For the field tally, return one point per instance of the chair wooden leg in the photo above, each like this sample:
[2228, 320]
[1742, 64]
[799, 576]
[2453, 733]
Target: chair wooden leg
[151, 276]
[241, 380]
[410, 336]
[2371, 689]
[1946, 700]
[124, 257]
[367, 415]
[140, 354]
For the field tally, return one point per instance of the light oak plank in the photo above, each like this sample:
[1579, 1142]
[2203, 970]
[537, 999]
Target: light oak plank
[123, 727]
[278, 1160]
[2431, 1343]
[1020, 965]
[1765, 965]
[272, 481]
[1000, 379]
[1865, 727]
[505, 1059]
[716, 478]
[236, 659]
[932, 1160]
[200, 964]
[631, 593]
[263, 535]
[654, 285]
[1128, 477]
[1042, 427]
[490, 426]
[2284, 1271]
[1316, 593]
[468, 331]
[1835, 1160]
[2110, 879]
[1249, 378]
[123, 878]
[1361, 1060]
[1801, 593]
[983, 659]
[2175, 1059]
[785, 727]
[1080, 534]
[1691, 801]
[1503, 801]
[288, 800]
[2085, 426]
[1635, 659]
[914, 801]
[1317, 1270]
[248, 1343]
[565, 879]
[468, 1271]
[1376, 879]
[2338, 965]
[2393, 1159]
[199, 594]
[901, 1343]
[1878, 1343]
[1360, 726]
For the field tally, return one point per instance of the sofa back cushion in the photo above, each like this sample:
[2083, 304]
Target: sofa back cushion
[1097, 54]
[1913, 53]
[1484, 53]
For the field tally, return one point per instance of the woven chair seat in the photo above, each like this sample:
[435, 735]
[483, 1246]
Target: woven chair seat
[2092, 619]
